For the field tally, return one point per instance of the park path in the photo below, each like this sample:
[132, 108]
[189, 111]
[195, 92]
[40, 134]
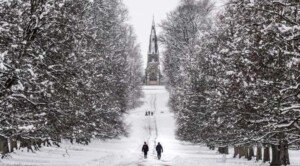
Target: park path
[127, 151]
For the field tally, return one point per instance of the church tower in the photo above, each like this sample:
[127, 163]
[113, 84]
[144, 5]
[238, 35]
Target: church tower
[153, 75]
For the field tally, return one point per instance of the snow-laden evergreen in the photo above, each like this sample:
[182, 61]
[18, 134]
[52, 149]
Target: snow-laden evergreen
[68, 70]
[234, 80]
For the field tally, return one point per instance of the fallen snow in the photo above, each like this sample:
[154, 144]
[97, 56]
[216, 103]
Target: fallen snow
[127, 151]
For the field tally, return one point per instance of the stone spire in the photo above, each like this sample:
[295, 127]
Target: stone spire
[153, 46]
[153, 75]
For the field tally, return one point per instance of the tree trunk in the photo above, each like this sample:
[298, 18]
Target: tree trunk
[236, 151]
[242, 152]
[251, 153]
[266, 154]
[258, 153]
[246, 152]
[9, 144]
[5, 148]
[220, 150]
[14, 144]
[276, 161]
[226, 150]
[223, 150]
[284, 152]
[1, 146]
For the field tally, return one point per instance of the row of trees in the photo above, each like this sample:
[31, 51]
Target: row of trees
[235, 80]
[68, 69]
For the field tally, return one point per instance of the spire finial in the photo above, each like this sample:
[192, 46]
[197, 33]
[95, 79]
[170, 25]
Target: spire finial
[153, 22]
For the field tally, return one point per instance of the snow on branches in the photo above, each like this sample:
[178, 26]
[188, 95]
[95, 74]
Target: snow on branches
[235, 80]
[67, 69]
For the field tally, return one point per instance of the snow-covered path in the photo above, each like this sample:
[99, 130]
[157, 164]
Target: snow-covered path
[127, 151]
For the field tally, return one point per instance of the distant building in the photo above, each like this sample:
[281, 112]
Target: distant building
[153, 75]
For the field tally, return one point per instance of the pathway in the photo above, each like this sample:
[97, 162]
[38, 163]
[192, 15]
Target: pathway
[127, 151]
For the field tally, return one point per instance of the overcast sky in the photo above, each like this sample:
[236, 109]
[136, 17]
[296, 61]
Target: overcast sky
[141, 13]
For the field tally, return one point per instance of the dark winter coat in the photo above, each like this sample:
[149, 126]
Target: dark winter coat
[145, 148]
[159, 148]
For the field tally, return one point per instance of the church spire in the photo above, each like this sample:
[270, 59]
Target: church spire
[153, 46]
[153, 22]
[153, 76]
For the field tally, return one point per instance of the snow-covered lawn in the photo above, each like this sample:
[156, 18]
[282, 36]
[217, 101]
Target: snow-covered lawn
[127, 151]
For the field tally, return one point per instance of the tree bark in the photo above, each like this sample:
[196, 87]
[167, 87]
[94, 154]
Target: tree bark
[14, 144]
[246, 152]
[266, 154]
[276, 161]
[223, 150]
[236, 151]
[258, 153]
[284, 152]
[251, 153]
[5, 148]
[242, 152]
[1, 146]
[226, 150]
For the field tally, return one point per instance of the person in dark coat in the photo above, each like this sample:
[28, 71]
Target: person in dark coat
[145, 149]
[159, 150]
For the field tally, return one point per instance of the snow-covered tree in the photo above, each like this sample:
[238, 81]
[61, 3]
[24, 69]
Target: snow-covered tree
[66, 69]
[183, 31]
[242, 88]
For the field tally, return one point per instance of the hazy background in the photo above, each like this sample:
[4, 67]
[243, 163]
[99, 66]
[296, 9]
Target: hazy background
[141, 13]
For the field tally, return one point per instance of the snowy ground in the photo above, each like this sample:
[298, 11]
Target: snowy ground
[127, 151]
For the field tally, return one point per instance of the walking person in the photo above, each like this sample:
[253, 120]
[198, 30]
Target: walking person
[159, 150]
[145, 149]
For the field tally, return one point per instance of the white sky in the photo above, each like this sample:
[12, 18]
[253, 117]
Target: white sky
[141, 13]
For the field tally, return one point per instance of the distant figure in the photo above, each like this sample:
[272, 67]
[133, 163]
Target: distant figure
[145, 149]
[146, 114]
[151, 113]
[159, 150]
